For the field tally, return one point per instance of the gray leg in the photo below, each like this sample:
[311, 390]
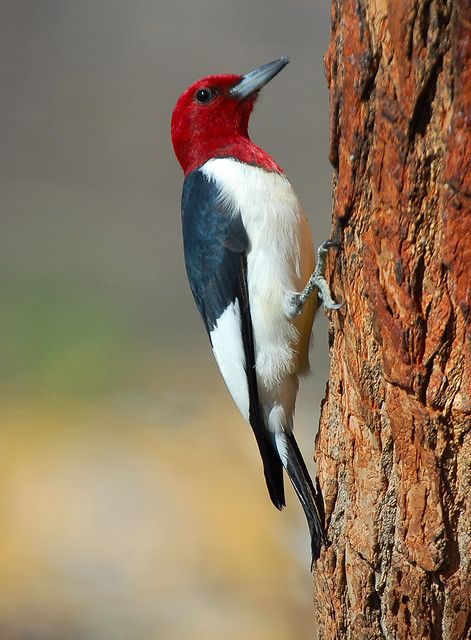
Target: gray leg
[316, 281]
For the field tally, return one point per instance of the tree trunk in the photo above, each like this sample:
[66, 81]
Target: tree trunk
[394, 446]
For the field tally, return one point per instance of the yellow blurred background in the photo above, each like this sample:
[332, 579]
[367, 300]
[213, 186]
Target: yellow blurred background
[132, 500]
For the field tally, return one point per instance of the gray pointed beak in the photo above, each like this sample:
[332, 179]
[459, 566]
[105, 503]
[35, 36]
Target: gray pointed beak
[258, 78]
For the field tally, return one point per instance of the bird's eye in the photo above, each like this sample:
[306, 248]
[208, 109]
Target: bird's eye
[204, 95]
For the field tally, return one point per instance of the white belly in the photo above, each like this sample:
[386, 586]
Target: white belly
[273, 219]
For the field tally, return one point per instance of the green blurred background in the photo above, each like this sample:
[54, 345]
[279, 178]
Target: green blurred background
[132, 500]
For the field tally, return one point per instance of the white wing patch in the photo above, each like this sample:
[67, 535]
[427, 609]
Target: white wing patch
[228, 348]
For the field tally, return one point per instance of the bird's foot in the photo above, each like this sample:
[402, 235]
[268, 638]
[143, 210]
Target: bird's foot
[316, 281]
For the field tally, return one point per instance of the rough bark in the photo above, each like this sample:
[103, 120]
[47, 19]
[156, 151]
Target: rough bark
[394, 446]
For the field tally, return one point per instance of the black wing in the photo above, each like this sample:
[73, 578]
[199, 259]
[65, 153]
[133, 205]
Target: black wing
[215, 244]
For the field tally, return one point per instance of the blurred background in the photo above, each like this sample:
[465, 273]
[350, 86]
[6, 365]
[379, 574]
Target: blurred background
[132, 500]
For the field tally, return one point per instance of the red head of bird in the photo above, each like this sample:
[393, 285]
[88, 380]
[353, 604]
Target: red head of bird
[211, 118]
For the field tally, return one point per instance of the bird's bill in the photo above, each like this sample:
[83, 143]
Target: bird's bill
[258, 78]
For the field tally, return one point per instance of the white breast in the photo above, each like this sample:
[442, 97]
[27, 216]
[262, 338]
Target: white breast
[272, 217]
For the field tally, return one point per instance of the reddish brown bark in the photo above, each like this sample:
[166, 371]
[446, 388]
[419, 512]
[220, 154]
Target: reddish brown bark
[394, 447]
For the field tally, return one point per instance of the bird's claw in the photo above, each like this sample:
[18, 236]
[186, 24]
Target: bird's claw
[317, 280]
[294, 305]
[330, 244]
[333, 306]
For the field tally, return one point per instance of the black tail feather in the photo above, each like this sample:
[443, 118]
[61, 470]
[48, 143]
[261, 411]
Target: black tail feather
[273, 471]
[311, 500]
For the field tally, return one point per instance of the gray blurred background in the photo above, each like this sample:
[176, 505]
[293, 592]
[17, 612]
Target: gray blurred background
[132, 500]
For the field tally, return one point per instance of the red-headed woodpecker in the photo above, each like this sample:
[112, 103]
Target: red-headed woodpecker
[249, 258]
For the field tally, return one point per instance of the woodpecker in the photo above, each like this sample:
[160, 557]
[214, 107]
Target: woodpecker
[250, 264]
